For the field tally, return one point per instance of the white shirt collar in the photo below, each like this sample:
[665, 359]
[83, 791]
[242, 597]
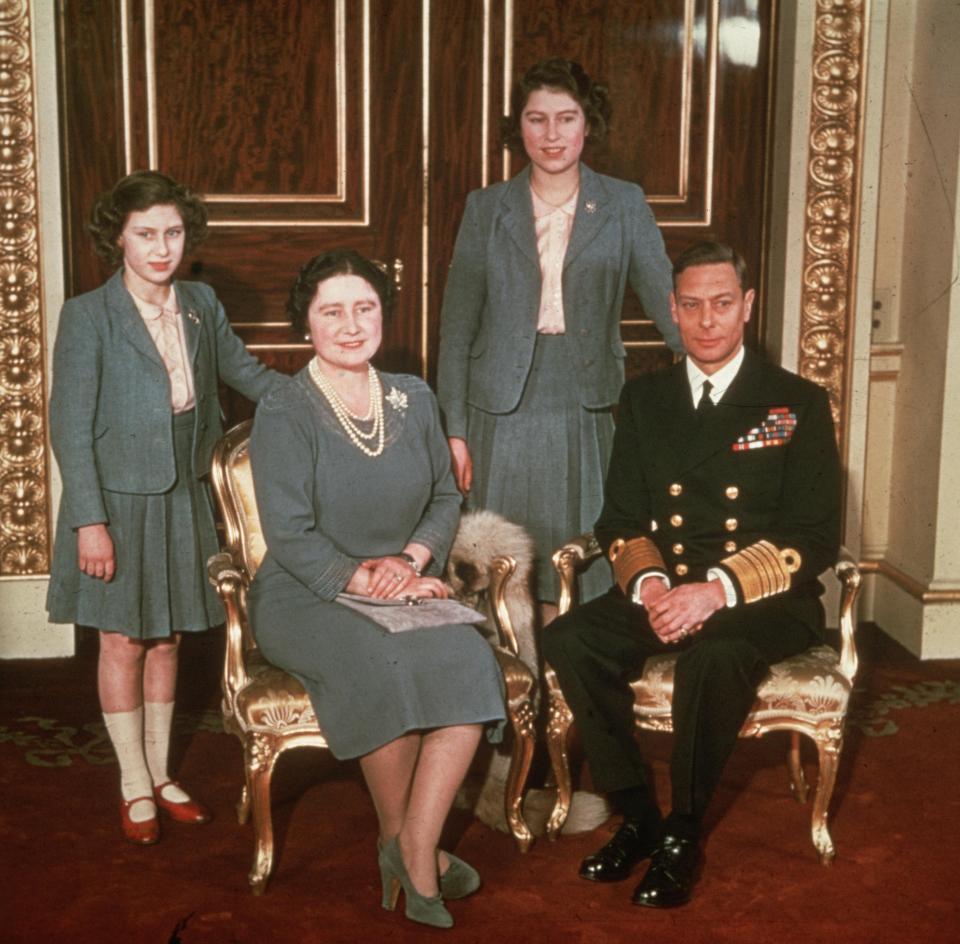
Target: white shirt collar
[719, 381]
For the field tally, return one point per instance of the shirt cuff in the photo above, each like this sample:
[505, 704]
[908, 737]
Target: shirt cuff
[729, 590]
[638, 583]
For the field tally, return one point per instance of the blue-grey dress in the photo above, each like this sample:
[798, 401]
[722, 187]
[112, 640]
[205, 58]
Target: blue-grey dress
[325, 506]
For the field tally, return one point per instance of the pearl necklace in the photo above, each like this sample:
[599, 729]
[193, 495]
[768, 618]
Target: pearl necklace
[346, 418]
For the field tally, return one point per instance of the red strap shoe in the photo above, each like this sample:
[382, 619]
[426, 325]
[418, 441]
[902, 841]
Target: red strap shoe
[189, 811]
[144, 833]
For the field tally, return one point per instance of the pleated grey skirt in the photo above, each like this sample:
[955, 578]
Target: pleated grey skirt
[161, 544]
[543, 465]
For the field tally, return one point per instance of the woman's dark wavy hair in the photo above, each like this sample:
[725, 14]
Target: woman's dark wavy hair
[558, 75]
[139, 191]
[326, 266]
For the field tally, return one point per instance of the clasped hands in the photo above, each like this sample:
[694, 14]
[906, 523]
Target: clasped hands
[676, 614]
[386, 578]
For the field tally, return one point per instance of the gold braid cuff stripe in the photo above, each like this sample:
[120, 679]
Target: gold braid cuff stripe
[762, 570]
[630, 558]
[834, 159]
[24, 530]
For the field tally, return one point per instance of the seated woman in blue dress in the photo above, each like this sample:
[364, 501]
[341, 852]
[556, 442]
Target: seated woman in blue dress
[355, 493]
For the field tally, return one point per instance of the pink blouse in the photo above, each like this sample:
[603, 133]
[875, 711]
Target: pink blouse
[166, 328]
[553, 225]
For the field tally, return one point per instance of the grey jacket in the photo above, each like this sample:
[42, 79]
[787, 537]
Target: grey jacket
[110, 413]
[492, 296]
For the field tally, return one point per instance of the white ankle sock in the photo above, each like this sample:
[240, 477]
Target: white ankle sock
[125, 729]
[157, 722]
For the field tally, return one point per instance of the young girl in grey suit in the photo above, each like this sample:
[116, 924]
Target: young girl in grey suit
[531, 360]
[134, 416]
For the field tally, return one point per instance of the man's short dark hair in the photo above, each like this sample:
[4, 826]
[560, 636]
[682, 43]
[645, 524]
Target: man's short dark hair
[710, 253]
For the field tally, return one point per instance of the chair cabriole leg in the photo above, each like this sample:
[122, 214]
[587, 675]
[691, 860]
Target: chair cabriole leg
[798, 782]
[559, 720]
[522, 719]
[829, 745]
[243, 806]
[261, 756]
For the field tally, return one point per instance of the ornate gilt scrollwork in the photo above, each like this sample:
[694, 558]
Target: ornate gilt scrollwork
[259, 751]
[833, 165]
[524, 718]
[24, 532]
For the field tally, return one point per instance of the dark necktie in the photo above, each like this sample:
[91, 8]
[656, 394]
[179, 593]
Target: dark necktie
[706, 406]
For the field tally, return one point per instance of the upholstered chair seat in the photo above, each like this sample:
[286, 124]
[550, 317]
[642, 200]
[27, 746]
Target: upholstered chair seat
[810, 686]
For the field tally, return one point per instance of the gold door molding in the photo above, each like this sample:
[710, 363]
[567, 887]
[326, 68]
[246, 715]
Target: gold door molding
[24, 515]
[834, 158]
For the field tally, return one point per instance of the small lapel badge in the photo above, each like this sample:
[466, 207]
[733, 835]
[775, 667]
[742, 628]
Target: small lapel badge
[193, 316]
[590, 206]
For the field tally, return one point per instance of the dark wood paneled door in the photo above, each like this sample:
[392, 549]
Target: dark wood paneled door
[691, 86]
[310, 124]
[300, 122]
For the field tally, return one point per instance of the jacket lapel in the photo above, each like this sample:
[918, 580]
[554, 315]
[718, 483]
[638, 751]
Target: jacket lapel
[744, 404]
[126, 315]
[675, 421]
[517, 215]
[192, 315]
[593, 212]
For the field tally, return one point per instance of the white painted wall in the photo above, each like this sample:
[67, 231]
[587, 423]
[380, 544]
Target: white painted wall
[912, 496]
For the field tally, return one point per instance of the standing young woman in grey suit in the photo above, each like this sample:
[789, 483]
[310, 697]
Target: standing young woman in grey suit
[531, 360]
[134, 417]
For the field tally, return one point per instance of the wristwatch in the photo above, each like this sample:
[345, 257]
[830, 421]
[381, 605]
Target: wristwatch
[411, 560]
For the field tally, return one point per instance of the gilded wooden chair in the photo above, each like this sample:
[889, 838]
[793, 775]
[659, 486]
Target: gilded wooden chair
[269, 711]
[806, 694]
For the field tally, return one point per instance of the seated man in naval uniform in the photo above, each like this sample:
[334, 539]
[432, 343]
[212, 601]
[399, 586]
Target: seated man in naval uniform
[722, 506]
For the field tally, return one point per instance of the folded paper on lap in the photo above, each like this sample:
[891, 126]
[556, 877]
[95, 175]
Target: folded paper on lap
[399, 616]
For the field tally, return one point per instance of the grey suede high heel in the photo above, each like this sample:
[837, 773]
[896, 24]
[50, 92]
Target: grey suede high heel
[427, 909]
[459, 880]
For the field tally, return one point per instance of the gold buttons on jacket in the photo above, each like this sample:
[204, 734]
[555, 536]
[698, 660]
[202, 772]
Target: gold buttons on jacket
[681, 569]
[730, 546]
[731, 524]
[676, 489]
[677, 548]
[732, 492]
[676, 520]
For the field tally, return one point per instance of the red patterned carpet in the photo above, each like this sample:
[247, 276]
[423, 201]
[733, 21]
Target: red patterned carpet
[67, 875]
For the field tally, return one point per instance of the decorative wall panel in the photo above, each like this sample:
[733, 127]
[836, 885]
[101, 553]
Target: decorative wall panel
[271, 121]
[24, 515]
[833, 167]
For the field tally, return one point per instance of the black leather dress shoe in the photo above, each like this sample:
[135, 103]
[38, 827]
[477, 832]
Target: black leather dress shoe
[672, 874]
[633, 842]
